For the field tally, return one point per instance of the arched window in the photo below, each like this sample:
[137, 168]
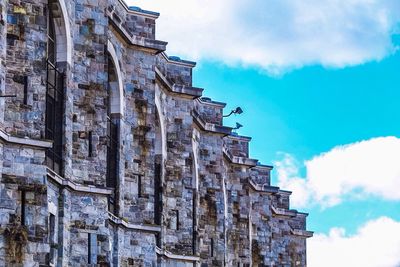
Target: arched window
[195, 197]
[54, 98]
[113, 117]
[158, 172]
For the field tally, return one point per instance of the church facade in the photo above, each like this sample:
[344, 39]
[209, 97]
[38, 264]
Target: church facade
[110, 156]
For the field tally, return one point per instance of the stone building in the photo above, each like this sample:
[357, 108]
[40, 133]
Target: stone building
[109, 156]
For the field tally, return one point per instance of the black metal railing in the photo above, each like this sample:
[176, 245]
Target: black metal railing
[54, 116]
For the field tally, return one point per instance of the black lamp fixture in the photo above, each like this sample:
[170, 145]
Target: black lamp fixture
[237, 110]
[238, 126]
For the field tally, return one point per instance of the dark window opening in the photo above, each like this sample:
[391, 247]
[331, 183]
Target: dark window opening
[177, 219]
[89, 248]
[139, 185]
[112, 152]
[90, 145]
[23, 207]
[25, 90]
[157, 194]
[212, 247]
[194, 222]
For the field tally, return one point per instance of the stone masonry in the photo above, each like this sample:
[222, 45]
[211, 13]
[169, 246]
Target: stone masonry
[109, 156]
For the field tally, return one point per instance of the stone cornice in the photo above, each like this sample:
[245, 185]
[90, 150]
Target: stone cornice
[76, 187]
[283, 212]
[169, 255]
[154, 46]
[263, 188]
[136, 227]
[25, 141]
[210, 127]
[239, 160]
[188, 91]
[301, 233]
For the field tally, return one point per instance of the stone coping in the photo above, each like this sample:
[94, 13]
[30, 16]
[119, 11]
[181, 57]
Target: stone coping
[192, 92]
[25, 141]
[77, 187]
[239, 137]
[239, 160]
[178, 61]
[138, 11]
[171, 255]
[138, 227]
[210, 127]
[264, 188]
[302, 233]
[283, 212]
[208, 101]
[263, 166]
[154, 46]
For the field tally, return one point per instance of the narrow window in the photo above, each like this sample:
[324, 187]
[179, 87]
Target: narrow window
[212, 247]
[112, 150]
[139, 184]
[54, 102]
[23, 206]
[112, 139]
[177, 219]
[89, 248]
[157, 194]
[25, 90]
[194, 224]
[90, 148]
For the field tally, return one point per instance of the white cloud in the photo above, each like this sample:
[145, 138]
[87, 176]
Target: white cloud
[376, 244]
[352, 171]
[277, 35]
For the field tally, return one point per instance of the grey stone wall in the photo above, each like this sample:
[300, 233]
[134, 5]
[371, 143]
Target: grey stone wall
[3, 44]
[186, 194]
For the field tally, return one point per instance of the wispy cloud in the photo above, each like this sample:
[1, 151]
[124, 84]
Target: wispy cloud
[278, 35]
[355, 170]
[376, 244]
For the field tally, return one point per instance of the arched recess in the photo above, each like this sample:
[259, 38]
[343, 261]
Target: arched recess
[195, 186]
[116, 85]
[62, 30]
[59, 45]
[160, 157]
[115, 110]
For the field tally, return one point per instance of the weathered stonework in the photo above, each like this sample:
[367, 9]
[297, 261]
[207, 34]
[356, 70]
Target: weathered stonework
[182, 189]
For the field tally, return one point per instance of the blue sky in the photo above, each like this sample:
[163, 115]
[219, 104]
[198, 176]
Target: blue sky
[309, 111]
[319, 85]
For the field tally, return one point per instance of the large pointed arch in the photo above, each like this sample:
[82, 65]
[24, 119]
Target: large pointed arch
[117, 93]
